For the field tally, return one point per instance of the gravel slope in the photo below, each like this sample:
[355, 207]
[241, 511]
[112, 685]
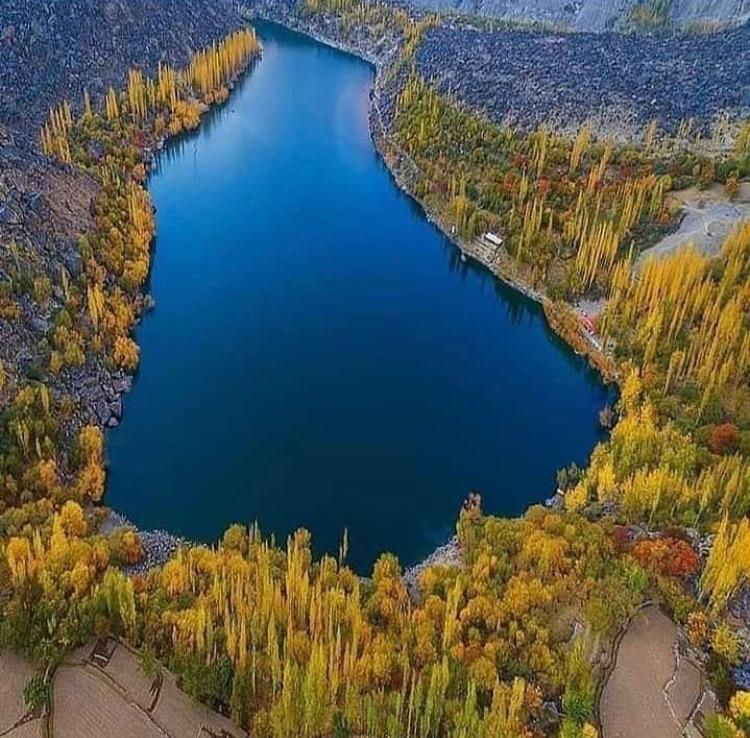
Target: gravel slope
[594, 15]
[533, 78]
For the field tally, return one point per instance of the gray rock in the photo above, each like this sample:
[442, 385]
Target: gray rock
[103, 412]
[72, 262]
[592, 15]
[40, 324]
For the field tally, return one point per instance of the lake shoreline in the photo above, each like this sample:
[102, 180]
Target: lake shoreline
[160, 544]
[402, 170]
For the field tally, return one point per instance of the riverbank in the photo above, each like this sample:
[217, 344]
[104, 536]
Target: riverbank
[49, 54]
[561, 318]
[160, 545]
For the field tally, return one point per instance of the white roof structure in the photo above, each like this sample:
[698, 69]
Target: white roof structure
[493, 238]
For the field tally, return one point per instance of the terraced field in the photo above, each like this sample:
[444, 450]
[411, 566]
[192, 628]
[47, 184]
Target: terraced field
[653, 689]
[101, 690]
[15, 719]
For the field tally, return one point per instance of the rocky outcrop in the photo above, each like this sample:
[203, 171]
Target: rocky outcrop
[43, 209]
[685, 13]
[54, 49]
[158, 545]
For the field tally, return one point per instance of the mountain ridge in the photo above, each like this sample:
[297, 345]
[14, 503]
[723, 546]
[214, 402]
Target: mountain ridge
[594, 15]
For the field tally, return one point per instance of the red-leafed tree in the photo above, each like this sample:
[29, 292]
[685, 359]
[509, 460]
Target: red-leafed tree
[724, 438]
[667, 556]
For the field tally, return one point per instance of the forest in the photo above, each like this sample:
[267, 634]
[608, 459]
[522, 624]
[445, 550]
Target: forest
[569, 208]
[289, 644]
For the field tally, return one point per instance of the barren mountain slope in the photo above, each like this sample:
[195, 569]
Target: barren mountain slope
[564, 79]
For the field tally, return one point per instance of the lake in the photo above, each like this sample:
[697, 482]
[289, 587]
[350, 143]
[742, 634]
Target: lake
[319, 355]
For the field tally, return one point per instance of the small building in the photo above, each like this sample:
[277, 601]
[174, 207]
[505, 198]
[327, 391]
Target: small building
[492, 239]
[588, 323]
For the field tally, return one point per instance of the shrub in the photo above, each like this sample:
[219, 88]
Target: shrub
[724, 438]
[697, 628]
[36, 693]
[726, 644]
[667, 557]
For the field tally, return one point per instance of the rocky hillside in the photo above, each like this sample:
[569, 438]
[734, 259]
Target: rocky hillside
[622, 81]
[528, 77]
[598, 15]
[51, 50]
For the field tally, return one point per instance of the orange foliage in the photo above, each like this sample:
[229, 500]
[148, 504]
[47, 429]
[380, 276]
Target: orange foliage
[667, 556]
[724, 438]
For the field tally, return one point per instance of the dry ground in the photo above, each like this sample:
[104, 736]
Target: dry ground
[708, 217]
[653, 689]
[87, 706]
[101, 691]
[14, 718]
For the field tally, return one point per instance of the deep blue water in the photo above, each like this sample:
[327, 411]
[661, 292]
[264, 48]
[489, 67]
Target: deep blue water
[318, 355]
